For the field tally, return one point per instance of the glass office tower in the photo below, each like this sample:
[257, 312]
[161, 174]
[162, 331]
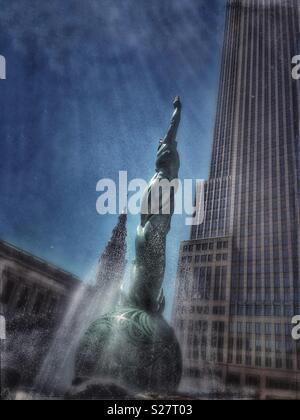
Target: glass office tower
[238, 283]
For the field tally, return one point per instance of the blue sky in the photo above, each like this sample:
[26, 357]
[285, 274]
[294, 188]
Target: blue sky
[88, 93]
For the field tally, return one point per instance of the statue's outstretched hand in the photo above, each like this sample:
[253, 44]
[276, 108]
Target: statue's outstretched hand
[177, 102]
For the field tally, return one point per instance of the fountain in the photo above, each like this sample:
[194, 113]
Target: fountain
[88, 304]
[133, 346]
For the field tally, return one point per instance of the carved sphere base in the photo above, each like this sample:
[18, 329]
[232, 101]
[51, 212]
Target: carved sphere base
[132, 348]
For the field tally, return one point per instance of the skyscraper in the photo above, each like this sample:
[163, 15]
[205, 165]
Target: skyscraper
[238, 281]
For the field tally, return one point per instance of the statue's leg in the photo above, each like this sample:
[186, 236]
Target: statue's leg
[149, 267]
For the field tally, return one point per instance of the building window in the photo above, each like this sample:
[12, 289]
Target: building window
[268, 329]
[249, 310]
[258, 361]
[248, 360]
[258, 344]
[268, 362]
[278, 329]
[253, 381]
[288, 311]
[239, 359]
[257, 329]
[258, 310]
[38, 303]
[233, 379]
[268, 310]
[9, 286]
[240, 310]
[23, 299]
[277, 310]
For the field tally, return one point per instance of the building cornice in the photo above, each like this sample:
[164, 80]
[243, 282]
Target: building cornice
[32, 262]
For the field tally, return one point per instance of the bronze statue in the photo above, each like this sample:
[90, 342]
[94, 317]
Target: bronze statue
[134, 346]
[149, 267]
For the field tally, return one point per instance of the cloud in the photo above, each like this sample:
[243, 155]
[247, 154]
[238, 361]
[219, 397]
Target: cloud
[97, 30]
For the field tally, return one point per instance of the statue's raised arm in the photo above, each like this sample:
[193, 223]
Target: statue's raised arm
[172, 132]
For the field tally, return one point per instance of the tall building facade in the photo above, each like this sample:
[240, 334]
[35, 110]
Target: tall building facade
[238, 281]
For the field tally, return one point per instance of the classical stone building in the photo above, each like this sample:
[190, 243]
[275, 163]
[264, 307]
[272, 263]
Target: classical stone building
[238, 279]
[34, 298]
